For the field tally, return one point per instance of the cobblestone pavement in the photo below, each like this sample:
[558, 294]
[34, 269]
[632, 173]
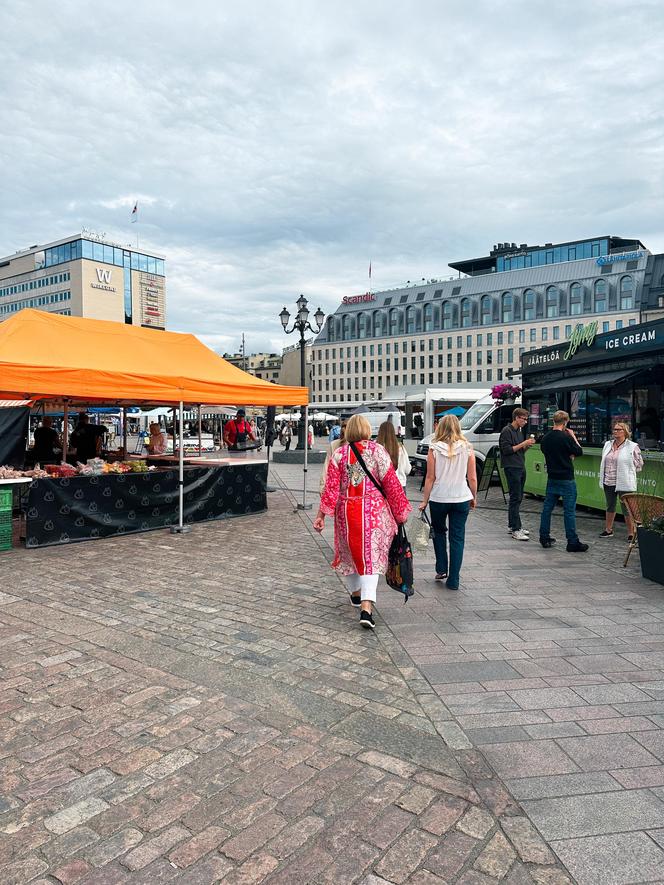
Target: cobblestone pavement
[204, 708]
[552, 666]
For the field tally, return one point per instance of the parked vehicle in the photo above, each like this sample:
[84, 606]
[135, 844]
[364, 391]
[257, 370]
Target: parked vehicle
[378, 417]
[481, 425]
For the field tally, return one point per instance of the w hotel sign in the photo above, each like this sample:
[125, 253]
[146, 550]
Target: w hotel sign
[104, 279]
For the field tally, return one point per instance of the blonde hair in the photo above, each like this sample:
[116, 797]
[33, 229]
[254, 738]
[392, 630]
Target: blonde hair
[560, 417]
[449, 431]
[358, 428]
[620, 425]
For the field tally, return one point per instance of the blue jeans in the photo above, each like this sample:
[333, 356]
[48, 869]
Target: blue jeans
[457, 514]
[565, 489]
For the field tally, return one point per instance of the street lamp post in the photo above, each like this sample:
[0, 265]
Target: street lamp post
[301, 324]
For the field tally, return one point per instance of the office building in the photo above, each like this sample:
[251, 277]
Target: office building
[85, 275]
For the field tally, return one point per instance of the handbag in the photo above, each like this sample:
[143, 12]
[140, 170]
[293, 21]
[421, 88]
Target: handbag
[399, 574]
[421, 530]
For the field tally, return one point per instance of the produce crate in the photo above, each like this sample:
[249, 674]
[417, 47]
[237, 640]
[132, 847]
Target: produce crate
[6, 498]
[5, 532]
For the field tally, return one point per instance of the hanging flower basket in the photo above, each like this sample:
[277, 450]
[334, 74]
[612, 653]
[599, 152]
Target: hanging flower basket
[505, 393]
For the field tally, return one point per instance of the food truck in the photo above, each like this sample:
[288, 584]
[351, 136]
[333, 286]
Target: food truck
[599, 379]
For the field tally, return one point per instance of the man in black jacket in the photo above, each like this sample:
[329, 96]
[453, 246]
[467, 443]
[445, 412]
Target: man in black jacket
[560, 446]
[513, 444]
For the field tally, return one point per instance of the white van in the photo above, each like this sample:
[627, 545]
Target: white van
[481, 425]
[377, 418]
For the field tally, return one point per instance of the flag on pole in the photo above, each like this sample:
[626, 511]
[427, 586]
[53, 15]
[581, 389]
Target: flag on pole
[369, 270]
[134, 213]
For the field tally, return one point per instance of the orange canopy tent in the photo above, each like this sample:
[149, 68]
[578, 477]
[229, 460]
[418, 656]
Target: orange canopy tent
[49, 356]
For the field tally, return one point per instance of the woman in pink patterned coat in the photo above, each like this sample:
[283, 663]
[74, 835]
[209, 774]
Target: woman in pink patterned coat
[364, 521]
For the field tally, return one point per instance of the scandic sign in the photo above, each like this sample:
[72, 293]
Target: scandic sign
[357, 299]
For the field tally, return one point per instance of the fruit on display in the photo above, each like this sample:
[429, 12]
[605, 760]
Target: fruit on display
[7, 472]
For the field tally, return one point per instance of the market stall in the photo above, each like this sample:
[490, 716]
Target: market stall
[54, 359]
[599, 379]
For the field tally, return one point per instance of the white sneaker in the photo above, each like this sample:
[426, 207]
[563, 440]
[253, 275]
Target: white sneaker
[520, 535]
[511, 531]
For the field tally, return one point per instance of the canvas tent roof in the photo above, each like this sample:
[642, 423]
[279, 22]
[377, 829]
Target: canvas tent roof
[49, 356]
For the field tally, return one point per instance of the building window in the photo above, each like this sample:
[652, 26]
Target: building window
[533, 335]
[428, 317]
[447, 315]
[522, 336]
[556, 333]
[466, 313]
[626, 293]
[600, 292]
[529, 299]
[606, 326]
[507, 303]
[552, 302]
[545, 334]
[485, 310]
[575, 299]
[478, 376]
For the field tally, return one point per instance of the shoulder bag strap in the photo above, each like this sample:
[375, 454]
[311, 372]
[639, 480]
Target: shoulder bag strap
[364, 467]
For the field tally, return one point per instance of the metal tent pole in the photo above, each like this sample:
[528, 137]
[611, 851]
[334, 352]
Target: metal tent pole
[200, 447]
[180, 528]
[65, 432]
[124, 432]
[304, 505]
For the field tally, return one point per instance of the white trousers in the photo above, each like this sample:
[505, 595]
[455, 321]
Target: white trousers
[366, 585]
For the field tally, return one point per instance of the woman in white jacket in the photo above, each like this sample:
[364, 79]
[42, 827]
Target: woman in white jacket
[396, 450]
[621, 459]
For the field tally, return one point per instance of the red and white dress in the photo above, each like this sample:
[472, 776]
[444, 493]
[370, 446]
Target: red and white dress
[364, 524]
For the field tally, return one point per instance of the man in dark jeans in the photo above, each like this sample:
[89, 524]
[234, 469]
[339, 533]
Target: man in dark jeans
[513, 444]
[560, 446]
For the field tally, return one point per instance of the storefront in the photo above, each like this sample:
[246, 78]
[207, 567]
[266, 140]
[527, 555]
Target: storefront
[599, 380]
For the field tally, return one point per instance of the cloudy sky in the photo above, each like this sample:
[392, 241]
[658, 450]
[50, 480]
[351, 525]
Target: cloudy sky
[278, 147]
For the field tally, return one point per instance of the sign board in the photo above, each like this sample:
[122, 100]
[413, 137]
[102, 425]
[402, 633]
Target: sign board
[152, 300]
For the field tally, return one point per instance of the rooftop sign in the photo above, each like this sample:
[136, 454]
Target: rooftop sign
[623, 256]
[357, 299]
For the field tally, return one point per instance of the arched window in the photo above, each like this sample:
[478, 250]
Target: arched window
[485, 310]
[346, 328]
[447, 315]
[338, 328]
[626, 293]
[575, 300]
[600, 292]
[410, 320]
[529, 300]
[552, 302]
[507, 312]
[428, 317]
[466, 315]
[330, 328]
[362, 323]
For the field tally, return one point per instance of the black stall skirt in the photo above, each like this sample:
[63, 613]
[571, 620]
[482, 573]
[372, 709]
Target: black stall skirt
[82, 508]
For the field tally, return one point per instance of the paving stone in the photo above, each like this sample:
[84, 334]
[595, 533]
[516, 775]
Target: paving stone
[496, 859]
[601, 752]
[451, 854]
[404, 857]
[617, 859]
[476, 823]
[253, 837]
[474, 671]
[71, 872]
[116, 846]
[200, 845]
[416, 799]
[525, 838]
[562, 785]
[594, 815]
[525, 758]
[442, 815]
[76, 814]
[149, 850]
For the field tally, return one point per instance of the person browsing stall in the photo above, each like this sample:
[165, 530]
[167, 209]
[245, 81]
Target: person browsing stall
[157, 442]
[513, 445]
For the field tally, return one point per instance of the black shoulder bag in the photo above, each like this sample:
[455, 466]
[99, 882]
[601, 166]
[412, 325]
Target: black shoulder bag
[399, 574]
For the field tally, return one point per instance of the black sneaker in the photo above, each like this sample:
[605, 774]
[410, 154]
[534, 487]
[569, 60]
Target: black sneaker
[547, 542]
[606, 534]
[355, 601]
[576, 547]
[366, 620]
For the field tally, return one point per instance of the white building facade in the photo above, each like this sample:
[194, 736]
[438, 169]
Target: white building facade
[474, 328]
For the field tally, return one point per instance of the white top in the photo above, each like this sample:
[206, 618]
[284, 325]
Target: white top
[404, 466]
[450, 485]
[628, 462]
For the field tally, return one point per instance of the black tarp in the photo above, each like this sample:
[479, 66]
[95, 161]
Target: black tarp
[82, 508]
[13, 435]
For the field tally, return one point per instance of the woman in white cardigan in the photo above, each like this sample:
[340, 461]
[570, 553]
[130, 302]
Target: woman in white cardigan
[621, 459]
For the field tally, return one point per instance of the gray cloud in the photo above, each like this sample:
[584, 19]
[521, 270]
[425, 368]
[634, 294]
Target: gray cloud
[277, 148]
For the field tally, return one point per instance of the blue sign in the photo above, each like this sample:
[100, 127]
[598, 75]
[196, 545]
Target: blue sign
[624, 256]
